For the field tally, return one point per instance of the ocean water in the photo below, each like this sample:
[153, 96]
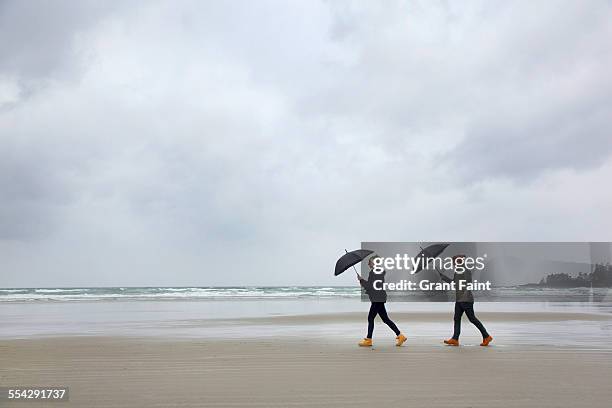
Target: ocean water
[519, 294]
[213, 312]
[175, 293]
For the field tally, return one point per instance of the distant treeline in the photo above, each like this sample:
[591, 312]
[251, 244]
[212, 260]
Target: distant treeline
[601, 277]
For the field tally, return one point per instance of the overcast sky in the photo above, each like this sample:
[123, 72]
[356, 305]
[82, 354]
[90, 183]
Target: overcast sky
[250, 142]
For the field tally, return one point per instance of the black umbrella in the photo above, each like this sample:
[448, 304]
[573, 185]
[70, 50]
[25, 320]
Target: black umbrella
[432, 251]
[351, 258]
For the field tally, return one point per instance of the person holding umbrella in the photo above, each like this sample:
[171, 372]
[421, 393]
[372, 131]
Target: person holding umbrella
[464, 302]
[378, 297]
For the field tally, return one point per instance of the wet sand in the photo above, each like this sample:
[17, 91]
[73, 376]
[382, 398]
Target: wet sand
[353, 317]
[297, 371]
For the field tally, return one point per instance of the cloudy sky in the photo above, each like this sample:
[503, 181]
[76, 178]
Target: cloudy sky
[250, 142]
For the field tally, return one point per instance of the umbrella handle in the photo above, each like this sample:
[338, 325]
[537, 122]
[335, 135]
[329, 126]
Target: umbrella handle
[353, 265]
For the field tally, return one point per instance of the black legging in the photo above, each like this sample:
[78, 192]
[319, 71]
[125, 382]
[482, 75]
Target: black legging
[378, 308]
[468, 308]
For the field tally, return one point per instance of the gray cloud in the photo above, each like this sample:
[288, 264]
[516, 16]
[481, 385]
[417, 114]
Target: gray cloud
[524, 147]
[39, 40]
[194, 143]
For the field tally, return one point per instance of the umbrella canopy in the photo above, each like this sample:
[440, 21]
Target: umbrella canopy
[432, 251]
[351, 258]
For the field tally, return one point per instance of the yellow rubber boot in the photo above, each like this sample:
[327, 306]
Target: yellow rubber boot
[486, 341]
[365, 343]
[400, 340]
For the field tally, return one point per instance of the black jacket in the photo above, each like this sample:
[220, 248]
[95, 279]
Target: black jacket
[461, 295]
[375, 295]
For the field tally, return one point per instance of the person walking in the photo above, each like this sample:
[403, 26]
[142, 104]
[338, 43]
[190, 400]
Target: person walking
[373, 286]
[464, 302]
